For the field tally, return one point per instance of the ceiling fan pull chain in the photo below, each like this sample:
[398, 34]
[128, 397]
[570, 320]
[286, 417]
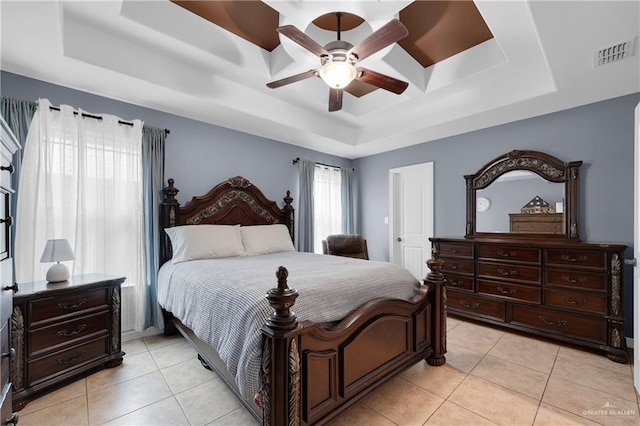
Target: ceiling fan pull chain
[338, 16]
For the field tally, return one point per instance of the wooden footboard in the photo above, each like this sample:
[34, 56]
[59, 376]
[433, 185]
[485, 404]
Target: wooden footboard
[310, 375]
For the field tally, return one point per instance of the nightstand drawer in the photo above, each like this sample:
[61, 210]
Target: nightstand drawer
[69, 359]
[65, 333]
[49, 309]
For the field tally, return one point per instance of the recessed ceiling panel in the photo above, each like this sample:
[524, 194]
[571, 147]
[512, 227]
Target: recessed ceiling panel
[252, 20]
[441, 29]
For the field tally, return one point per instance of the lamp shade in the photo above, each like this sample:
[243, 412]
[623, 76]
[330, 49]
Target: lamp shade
[337, 74]
[56, 251]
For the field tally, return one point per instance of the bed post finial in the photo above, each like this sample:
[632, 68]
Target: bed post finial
[281, 300]
[288, 209]
[436, 282]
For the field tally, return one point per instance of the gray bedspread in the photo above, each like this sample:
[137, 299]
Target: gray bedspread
[223, 300]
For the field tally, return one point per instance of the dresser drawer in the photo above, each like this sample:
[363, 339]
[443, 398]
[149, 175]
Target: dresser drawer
[5, 347]
[476, 305]
[65, 333]
[456, 249]
[49, 309]
[562, 323]
[69, 359]
[457, 266]
[520, 254]
[576, 300]
[459, 282]
[576, 278]
[580, 258]
[511, 272]
[512, 291]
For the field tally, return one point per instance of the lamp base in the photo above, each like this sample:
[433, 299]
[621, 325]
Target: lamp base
[57, 273]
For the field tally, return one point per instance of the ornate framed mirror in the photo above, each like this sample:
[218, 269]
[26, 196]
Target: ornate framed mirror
[524, 194]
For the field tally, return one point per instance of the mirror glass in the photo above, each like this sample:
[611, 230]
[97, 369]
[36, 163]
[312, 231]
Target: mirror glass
[512, 191]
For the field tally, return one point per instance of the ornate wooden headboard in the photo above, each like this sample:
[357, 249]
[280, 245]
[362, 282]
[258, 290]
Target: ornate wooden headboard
[235, 201]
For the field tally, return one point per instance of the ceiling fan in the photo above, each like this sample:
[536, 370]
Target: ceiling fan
[339, 59]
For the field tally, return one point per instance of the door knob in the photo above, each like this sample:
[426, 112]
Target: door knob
[399, 239]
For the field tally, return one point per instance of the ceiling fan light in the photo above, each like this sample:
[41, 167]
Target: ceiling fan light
[337, 74]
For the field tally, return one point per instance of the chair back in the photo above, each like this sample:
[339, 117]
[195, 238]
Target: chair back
[347, 245]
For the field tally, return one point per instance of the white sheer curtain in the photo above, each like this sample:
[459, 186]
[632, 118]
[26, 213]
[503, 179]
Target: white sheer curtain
[81, 179]
[327, 199]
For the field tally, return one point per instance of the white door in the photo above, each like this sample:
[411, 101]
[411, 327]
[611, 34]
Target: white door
[411, 217]
[636, 253]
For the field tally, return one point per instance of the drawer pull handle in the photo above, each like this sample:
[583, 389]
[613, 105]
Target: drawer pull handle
[11, 354]
[66, 307]
[8, 168]
[65, 361]
[8, 221]
[469, 305]
[455, 250]
[78, 330]
[456, 266]
[507, 254]
[568, 258]
[580, 280]
[574, 302]
[13, 287]
[560, 323]
[510, 273]
[13, 420]
[455, 283]
[504, 291]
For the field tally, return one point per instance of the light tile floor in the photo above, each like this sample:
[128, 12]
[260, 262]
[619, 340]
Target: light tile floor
[491, 377]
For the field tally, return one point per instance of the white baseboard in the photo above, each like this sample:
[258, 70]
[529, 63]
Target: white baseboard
[132, 334]
[629, 342]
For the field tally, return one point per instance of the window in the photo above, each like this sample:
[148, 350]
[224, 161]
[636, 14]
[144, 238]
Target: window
[327, 199]
[81, 180]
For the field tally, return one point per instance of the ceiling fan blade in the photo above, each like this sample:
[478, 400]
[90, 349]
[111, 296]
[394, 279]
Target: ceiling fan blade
[335, 99]
[382, 81]
[388, 34]
[302, 39]
[292, 79]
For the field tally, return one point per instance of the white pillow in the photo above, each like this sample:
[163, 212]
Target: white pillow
[190, 242]
[266, 239]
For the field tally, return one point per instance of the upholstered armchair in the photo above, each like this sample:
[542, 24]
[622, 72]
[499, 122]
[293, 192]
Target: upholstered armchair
[348, 245]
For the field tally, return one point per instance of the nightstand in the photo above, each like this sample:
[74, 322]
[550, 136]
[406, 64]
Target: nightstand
[62, 332]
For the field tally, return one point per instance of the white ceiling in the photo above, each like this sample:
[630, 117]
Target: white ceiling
[159, 55]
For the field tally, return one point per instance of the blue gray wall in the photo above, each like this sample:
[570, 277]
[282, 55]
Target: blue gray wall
[599, 134]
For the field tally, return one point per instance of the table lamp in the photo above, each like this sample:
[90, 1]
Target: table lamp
[55, 251]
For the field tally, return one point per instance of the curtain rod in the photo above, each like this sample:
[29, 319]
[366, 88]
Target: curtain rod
[297, 159]
[97, 117]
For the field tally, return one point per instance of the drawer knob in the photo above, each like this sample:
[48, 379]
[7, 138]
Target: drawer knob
[573, 301]
[66, 307]
[510, 273]
[11, 354]
[13, 420]
[8, 168]
[507, 254]
[569, 258]
[560, 323]
[455, 283]
[505, 291]
[13, 287]
[570, 280]
[71, 360]
[8, 221]
[469, 305]
[78, 330]
[455, 250]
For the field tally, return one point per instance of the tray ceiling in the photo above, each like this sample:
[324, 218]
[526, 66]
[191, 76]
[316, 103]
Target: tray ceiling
[469, 65]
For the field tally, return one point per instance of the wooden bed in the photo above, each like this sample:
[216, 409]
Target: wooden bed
[311, 374]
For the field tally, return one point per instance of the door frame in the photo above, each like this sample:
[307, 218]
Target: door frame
[636, 247]
[393, 198]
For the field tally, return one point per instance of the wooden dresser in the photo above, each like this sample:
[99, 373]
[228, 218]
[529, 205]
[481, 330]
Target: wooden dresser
[8, 146]
[564, 290]
[62, 331]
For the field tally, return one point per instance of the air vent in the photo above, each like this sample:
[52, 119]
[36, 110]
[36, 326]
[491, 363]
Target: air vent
[613, 53]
